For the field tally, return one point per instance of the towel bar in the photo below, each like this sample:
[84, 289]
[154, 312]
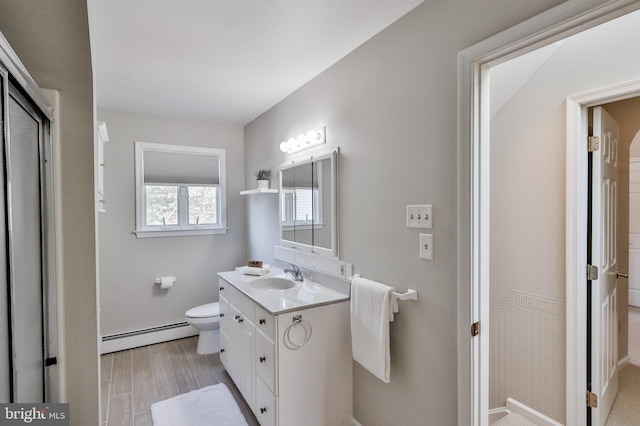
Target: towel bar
[409, 295]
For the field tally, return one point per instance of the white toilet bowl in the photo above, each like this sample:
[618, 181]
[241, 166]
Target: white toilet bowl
[206, 318]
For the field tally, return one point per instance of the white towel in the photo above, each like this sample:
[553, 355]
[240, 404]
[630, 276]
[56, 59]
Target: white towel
[371, 310]
[249, 270]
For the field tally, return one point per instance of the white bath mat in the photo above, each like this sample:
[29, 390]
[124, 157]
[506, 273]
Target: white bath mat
[210, 406]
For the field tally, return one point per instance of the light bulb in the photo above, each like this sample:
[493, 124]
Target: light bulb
[312, 135]
[284, 146]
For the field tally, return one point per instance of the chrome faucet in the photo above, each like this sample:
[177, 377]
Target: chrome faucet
[295, 272]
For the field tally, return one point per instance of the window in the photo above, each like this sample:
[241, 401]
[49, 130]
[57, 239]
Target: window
[180, 190]
[300, 206]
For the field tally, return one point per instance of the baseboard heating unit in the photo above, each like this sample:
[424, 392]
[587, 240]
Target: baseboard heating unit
[146, 336]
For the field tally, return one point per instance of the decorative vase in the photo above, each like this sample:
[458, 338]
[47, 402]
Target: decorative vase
[263, 184]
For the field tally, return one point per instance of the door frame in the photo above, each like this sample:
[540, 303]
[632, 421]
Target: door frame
[473, 254]
[577, 180]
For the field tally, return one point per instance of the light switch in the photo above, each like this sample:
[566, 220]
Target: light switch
[420, 216]
[426, 246]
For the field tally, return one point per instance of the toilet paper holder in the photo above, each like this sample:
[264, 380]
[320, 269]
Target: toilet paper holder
[160, 280]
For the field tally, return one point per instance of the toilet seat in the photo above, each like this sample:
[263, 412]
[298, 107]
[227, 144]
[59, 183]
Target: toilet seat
[204, 311]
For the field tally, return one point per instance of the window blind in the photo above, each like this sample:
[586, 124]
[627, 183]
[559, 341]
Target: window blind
[181, 168]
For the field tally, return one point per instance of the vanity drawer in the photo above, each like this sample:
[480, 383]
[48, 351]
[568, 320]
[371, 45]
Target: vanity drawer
[225, 290]
[266, 405]
[265, 321]
[266, 365]
[237, 298]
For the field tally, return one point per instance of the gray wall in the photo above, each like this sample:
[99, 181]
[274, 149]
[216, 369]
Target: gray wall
[51, 37]
[128, 265]
[391, 107]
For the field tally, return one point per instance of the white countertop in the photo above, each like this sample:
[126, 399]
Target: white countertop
[304, 295]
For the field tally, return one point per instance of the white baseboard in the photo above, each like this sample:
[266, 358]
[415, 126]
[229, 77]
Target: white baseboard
[145, 339]
[624, 362]
[530, 414]
[496, 414]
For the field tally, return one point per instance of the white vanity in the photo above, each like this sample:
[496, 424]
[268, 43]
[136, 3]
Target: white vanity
[288, 350]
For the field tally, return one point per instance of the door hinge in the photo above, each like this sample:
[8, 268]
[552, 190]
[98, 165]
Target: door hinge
[50, 361]
[593, 144]
[475, 329]
[592, 400]
[592, 272]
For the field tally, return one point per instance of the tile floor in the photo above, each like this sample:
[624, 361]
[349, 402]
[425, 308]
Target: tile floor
[134, 379]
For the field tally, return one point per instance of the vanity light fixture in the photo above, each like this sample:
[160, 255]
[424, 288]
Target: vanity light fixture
[304, 141]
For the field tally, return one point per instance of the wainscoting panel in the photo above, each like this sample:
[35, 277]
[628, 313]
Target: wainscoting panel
[527, 353]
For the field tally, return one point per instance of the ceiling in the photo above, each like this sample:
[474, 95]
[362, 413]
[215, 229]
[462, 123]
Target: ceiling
[223, 60]
[509, 77]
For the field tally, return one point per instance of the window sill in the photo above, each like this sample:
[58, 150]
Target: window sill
[304, 227]
[179, 232]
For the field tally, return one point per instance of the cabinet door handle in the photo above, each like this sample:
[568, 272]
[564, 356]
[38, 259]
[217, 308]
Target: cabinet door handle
[262, 321]
[262, 359]
[263, 410]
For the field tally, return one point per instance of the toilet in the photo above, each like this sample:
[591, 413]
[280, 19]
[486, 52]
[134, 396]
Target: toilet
[206, 318]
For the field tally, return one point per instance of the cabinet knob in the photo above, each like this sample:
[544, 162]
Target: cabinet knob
[263, 410]
[221, 288]
[262, 359]
[221, 351]
[221, 315]
[241, 320]
[262, 321]
[237, 317]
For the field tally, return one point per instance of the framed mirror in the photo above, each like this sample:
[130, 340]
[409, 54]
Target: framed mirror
[308, 210]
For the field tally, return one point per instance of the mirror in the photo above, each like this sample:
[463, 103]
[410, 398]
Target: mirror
[308, 205]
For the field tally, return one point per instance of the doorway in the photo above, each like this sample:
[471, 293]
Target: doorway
[633, 319]
[557, 149]
[28, 292]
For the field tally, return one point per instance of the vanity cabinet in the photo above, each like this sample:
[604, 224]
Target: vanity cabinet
[292, 367]
[237, 343]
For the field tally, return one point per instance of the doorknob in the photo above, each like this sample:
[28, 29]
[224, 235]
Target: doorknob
[622, 274]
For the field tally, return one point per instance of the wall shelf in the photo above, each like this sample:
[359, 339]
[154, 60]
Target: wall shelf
[259, 191]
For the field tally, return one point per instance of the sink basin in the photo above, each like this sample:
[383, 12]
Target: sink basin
[272, 283]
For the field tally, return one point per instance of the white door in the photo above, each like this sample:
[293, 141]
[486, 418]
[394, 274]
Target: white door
[604, 310]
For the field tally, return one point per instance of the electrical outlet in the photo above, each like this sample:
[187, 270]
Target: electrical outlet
[420, 216]
[426, 246]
